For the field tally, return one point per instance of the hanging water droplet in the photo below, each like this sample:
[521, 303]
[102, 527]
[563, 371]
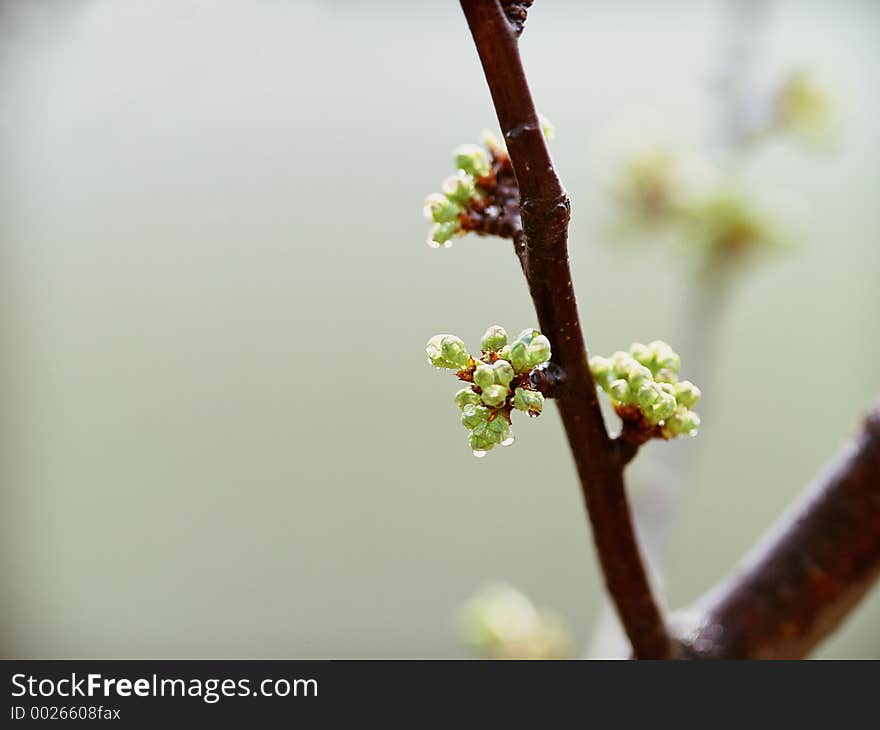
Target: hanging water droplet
[479, 454]
[508, 441]
[432, 243]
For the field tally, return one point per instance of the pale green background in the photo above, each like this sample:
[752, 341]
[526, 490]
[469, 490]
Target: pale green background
[221, 436]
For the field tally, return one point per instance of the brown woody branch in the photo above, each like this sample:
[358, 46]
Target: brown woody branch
[809, 572]
[544, 209]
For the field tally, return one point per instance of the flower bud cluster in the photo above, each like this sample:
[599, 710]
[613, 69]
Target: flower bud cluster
[645, 390]
[499, 381]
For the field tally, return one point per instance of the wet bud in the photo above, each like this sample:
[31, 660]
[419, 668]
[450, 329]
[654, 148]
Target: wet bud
[647, 396]
[459, 188]
[528, 400]
[665, 375]
[494, 339]
[642, 354]
[494, 395]
[619, 391]
[472, 415]
[638, 375]
[440, 209]
[503, 371]
[442, 233]
[538, 351]
[519, 356]
[662, 408]
[465, 397]
[472, 159]
[447, 351]
[484, 376]
[480, 443]
[601, 369]
[687, 394]
[497, 430]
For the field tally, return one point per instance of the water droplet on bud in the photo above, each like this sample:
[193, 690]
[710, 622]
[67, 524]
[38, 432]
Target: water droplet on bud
[508, 441]
[479, 454]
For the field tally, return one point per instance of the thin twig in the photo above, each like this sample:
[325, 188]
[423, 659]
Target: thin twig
[545, 215]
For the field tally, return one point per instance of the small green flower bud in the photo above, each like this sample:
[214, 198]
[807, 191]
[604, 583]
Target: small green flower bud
[665, 356]
[619, 391]
[494, 339]
[497, 430]
[687, 394]
[480, 443]
[519, 356]
[647, 396]
[528, 400]
[442, 234]
[665, 375]
[504, 353]
[472, 159]
[621, 363]
[494, 395]
[472, 416]
[447, 351]
[601, 369]
[440, 209]
[465, 397]
[539, 351]
[638, 375]
[641, 354]
[503, 372]
[683, 421]
[454, 351]
[484, 376]
[662, 408]
[459, 188]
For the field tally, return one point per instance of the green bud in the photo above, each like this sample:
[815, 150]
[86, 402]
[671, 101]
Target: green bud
[454, 351]
[503, 372]
[665, 375]
[621, 363]
[494, 339]
[519, 356]
[661, 409]
[447, 351]
[687, 394]
[465, 397]
[459, 188]
[494, 395]
[601, 369]
[504, 353]
[683, 421]
[472, 416]
[665, 356]
[647, 396]
[641, 354]
[498, 429]
[484, 376]
[538, 351]
[440, 209]
[442, 234]
[637, 376]
[619, 391]
[472, 159]
[480, 443]
[528, 400]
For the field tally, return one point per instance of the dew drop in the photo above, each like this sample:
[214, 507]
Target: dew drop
[479, 454]
[432, 243]
[508, 441]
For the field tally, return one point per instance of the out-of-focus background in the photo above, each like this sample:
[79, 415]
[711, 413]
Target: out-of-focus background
[221, 437]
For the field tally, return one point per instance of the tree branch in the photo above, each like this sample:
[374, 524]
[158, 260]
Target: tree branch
[544, 256]
[808, 573]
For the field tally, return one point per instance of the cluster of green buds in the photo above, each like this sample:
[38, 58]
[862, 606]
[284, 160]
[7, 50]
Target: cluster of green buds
[458, 193]
[499, 381]
[646, 393]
